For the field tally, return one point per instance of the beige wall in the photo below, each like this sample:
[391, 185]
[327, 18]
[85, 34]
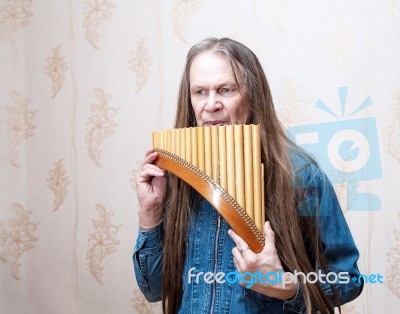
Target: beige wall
[84, 83]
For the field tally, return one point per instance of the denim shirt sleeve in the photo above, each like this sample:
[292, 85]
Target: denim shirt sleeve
[147, 262]
[338, 245]
[339, 249]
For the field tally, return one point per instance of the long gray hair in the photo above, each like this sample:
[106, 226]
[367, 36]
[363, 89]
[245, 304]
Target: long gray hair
[282, 199]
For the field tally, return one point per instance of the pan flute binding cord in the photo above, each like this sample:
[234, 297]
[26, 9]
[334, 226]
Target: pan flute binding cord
[223, 164]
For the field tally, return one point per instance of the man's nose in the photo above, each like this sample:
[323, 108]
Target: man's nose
[213, 102]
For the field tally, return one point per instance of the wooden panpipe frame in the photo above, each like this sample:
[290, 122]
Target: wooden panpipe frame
[223, 164]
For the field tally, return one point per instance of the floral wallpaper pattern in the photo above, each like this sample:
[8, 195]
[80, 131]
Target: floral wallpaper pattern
[55, 69]
[393, 272]
[14, 15]
[20, 125]
[17, 236]
[393, 7]
[139, 62]
[101, 242]
[392, 129]
[181, 10]
[100, 125]
[57, 182]
[140, 304]
[96, 12]
[277, 13]
[341, 46]
[292, 106]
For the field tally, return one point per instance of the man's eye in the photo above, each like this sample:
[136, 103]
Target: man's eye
[200, 92]
[225, 90]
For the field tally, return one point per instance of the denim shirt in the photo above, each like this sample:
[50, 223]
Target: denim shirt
[209, 249]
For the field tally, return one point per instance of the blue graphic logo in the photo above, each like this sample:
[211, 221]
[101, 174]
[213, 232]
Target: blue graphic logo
[347, 150]
[371, 278]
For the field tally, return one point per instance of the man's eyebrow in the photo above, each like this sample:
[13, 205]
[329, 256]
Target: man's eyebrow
[222, 83]
[195, 86]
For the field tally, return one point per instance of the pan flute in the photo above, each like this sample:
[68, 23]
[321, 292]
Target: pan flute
[223, 164]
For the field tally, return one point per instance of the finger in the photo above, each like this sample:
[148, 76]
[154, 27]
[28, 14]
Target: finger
[152, 171]
[240, 243]
[150, 167]
[241, 249]
[235, 262]
[150, 157]
[148, 172]
[149, 151]
[238, 259]
[269, 236]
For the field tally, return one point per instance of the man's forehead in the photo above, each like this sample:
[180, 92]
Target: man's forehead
[215, 67]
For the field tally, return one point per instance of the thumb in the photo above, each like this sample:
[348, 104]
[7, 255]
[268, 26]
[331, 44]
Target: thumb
[269, 236]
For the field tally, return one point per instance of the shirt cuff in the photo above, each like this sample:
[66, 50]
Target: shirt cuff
[149, 239]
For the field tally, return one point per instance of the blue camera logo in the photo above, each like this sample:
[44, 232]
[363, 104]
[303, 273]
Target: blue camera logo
[347, 150]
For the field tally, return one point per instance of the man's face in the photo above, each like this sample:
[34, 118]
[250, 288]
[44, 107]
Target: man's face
[215, 96]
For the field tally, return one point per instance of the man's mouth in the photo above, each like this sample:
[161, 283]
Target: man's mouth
[213, 123]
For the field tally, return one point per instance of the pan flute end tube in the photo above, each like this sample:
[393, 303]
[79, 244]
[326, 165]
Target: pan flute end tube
[207, 151]
[222, 157]
[168, 141]
[239, 165]
[248, 170]
[188, 145]
[200, 148]
[193, 132]
[182, 150]
[258, 219]
[156, 139]
[175, 142]
[230, 161]
[263, 196]
[214, 154]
